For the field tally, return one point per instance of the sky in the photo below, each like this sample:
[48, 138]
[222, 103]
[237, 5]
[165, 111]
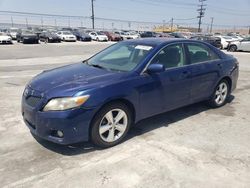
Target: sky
[226, 13]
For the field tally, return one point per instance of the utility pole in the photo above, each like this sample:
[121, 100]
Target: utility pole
[172, 24]
[164, 22]
[26, 19]
[211, 26]
[93, 15]
[42, 21]
[12, 23]
[201, 12]
[69, 22]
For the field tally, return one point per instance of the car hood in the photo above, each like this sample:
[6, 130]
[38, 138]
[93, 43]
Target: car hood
[52, 35]
[5, 37]
[235, 42]
[84, 35]
[29, 35]
[68, 35]
[101, 36]
[70, 79]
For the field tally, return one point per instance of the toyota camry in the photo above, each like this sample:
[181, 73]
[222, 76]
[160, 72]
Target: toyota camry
[99, 99]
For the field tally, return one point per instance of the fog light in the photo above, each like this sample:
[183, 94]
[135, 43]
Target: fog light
[59, 133]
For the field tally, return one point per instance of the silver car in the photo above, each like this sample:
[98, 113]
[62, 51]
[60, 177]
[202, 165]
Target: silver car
[242, 45]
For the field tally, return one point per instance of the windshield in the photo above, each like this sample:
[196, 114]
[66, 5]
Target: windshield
[66, 33]
[27, 32]
[13, 30]
[100, 33]
[122, 57]
[226, 37]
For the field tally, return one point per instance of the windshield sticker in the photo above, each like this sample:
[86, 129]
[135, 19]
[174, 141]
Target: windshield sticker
[141, 47]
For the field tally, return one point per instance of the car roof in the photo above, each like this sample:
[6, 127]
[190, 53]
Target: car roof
[155, 41]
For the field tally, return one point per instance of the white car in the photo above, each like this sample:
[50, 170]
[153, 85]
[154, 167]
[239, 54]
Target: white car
[243, 45]
[12, 32]
[5, 39]
[124, 35]
[98, 36]
[225, 40]
[66, 36]
[134, 35]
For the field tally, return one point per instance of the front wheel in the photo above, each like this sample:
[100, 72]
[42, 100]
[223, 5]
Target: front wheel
[233, 48]
[111, 125]
[220, 95]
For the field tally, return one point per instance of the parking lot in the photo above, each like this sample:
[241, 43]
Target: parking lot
[194, 146]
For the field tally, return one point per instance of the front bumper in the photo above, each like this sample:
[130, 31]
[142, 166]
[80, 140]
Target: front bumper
[70, 39]
[73, 123]
[5, 42]
[54, 40]
[30, 40]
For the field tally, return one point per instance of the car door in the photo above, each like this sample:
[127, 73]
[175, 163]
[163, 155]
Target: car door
[94, 36]
[206, 67]
[42, 37]
[60, 34]
[245, 45]
[169, 89]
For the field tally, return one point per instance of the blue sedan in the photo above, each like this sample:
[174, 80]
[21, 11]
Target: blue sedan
[100, 98]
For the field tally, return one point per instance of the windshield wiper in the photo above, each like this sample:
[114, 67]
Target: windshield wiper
[97, 66]
[100, 67]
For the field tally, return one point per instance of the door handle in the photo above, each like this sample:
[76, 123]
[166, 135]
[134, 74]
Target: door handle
[185, 74]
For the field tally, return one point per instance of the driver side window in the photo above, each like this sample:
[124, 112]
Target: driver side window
[171, 56]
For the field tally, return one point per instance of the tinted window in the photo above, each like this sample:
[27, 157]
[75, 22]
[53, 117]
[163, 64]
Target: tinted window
[171, 56]
[200, 53]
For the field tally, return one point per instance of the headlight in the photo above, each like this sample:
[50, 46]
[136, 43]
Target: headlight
[58, 104]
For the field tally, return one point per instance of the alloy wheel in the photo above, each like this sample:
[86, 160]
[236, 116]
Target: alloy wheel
[221, 93]
[113, 125]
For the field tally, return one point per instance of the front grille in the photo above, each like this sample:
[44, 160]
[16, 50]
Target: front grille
[33, 101]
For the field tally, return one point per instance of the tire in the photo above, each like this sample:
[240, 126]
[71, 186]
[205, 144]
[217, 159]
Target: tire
[105, 132]
[232, 48]
[220, 94]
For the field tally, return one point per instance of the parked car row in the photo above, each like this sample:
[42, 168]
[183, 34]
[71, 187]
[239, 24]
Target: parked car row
[230, 41]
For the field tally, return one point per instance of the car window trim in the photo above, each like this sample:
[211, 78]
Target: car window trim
[150, 61]
[186, 48]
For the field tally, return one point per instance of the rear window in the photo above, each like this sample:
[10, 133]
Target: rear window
[200, 53]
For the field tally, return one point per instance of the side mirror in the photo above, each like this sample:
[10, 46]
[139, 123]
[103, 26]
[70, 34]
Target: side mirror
[155, 68]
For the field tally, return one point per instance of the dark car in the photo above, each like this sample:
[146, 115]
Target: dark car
[27, 36]
[177, 35]
[49, 37]
[100, 98]
[112, 36]
[81, 35]
[148, 34]
[215, 41]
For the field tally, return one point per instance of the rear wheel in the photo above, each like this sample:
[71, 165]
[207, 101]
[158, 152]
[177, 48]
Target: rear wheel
[111, 125]
[220, 95]
[233, 48]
